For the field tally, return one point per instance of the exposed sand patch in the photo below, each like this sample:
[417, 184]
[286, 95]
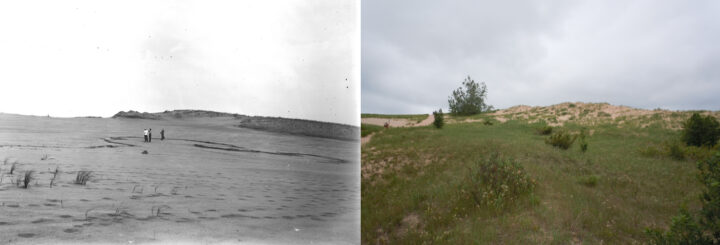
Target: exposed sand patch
[397, 122]
[366, 139]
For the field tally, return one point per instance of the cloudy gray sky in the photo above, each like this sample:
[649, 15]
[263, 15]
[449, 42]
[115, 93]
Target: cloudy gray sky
[290, 58]
[645, 54]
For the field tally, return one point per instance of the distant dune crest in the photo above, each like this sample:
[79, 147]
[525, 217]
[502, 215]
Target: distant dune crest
[274, 124]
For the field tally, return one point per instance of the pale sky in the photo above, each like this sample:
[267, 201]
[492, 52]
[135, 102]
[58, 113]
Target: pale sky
[290, 58]
[639, 53]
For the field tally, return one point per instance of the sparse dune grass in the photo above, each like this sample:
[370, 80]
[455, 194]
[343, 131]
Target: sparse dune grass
[83, 177]
[412, 179]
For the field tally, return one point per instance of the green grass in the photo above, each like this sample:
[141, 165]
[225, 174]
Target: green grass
[608, 194]
[366, 129]
[411, 117]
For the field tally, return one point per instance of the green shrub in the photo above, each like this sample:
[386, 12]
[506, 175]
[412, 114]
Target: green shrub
[487, 123]
[675, 152]
[689, 229]
[589, 181]
[495, 182]
[583, 143]
[701, 131]
[561, 139]
[439, 119]
[545, 130]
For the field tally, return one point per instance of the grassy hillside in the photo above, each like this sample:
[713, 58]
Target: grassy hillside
[414, 179]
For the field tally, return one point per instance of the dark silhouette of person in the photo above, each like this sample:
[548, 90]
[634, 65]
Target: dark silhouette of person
[162, 134]
[145, 133]
[150, 135]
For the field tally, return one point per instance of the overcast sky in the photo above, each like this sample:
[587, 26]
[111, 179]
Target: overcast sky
[290, 58]
[645, 54]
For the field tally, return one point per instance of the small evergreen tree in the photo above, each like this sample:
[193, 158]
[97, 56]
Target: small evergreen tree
[471, 100]
[439, 121]
[701, 131]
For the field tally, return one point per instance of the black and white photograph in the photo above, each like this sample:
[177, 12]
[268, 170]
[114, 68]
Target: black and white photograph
[180, 122]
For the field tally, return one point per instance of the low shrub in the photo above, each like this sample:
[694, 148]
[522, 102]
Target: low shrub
[701, 131]
[495, 182]
[439, 121]
[545, 130]
[561, 139]
[487, 123]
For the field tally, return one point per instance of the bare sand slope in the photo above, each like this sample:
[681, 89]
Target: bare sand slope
[208, 182]
[394, 122]
[397, 122]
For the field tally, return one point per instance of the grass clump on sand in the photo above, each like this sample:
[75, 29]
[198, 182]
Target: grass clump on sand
[55, 174]
[561, 139]
[366, 129]
[13, 167]
[83, 177]
[495, 182]
[25, 179]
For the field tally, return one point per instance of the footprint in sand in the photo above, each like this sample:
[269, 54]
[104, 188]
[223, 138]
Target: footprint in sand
[65, 216]
[26, 235]
[41, 220]
[71, 230]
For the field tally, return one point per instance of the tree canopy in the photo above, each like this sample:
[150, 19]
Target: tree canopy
[469, 99]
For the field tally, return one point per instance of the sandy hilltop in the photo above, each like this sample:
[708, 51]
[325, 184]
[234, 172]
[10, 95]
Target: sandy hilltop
[216, 178]
[567, 112]
[274, 124]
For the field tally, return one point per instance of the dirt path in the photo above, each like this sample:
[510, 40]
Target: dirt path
[394, 123]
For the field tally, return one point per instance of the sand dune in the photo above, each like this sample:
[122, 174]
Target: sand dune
[208, 182]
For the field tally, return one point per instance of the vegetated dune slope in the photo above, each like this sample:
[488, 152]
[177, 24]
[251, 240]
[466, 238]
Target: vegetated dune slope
[597, 113]
[417, 181]
[208, 181]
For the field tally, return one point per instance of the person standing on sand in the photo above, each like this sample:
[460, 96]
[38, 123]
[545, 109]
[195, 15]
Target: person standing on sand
[150, 135]
[162, 134]
[145, 133]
